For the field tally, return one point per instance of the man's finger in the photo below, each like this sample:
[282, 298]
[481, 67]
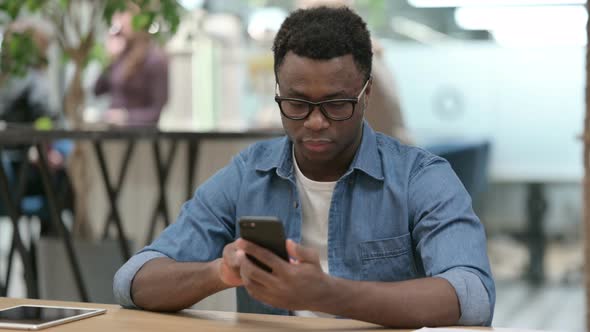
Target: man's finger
[235, 261]
[250, 272]
[228, 275]
[231, 256]
[265, 256]
[301, 253]
[258, 291]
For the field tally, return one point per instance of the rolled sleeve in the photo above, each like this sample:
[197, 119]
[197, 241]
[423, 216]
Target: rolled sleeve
[451, 241]
[473, 297]
[205, 225]
[124, 277]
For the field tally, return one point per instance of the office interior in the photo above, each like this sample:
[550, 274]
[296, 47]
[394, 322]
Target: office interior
[508, 76]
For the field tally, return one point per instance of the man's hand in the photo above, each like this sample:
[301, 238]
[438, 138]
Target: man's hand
[115, 45]
[55, 160]
[298, 285]
[229, 268]
[116, 116]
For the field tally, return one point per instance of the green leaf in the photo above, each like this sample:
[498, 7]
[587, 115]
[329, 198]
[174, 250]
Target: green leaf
[111, 7]
[171, 13]
[99, 53]
[142, 21]
[35, 5]
[64, 58]
[64, 4]
[18, 53]
[13, 8]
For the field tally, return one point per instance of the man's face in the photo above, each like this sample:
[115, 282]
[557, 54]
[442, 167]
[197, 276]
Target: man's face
[319, 141]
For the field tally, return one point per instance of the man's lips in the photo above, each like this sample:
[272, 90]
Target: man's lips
[317, 145]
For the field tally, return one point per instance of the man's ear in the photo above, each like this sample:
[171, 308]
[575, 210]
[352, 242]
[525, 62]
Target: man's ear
[369, 86]
[368, 92]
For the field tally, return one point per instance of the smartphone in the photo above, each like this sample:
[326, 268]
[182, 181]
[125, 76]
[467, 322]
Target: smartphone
[266, 232]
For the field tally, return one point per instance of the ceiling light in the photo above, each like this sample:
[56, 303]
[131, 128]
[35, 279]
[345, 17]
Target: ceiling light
[465, 3]
[526, 26]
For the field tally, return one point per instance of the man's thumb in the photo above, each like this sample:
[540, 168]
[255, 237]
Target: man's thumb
[300, 253]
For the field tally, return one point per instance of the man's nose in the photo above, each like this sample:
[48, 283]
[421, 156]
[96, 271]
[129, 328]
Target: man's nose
[316, 119]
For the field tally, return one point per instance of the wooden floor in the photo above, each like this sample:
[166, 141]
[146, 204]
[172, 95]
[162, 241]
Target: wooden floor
[557, 305]
[549, 307]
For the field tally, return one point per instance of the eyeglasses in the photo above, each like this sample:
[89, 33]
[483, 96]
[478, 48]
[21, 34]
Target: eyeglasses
[333, 109]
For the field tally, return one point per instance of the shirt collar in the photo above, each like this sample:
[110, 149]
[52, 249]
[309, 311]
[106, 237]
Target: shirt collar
[278, 156]
[367, 158]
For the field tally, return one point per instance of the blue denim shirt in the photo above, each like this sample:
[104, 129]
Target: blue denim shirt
[398, 213]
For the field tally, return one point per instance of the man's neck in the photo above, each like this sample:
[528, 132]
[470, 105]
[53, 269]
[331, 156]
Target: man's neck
[326, 171]
[323, 172]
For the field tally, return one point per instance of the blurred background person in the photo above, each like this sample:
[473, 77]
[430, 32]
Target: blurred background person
[24, 98]
[136, 79]
[24, 101]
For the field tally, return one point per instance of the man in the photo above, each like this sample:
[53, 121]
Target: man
[393, 223]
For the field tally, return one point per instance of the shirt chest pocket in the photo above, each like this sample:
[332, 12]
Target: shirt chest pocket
[388, 259]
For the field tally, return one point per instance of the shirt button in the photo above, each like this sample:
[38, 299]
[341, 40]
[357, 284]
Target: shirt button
[295, 204]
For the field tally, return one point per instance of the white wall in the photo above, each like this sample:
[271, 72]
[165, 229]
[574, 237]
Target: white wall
[528, 101]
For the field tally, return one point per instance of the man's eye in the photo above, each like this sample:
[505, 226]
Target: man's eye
[335, 105]
[296, 104]
[338, 103]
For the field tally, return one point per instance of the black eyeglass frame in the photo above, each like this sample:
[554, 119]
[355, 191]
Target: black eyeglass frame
[312, 105]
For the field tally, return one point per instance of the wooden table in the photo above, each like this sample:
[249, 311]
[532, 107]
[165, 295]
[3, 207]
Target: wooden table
[119, 319]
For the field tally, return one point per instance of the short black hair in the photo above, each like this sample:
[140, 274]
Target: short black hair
[323, 33]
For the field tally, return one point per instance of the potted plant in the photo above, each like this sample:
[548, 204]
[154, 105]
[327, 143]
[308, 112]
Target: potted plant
[76, 25]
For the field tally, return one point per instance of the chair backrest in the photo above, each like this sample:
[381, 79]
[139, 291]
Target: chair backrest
[98, 263]
[30, 205]
[469, 161]
[34, 201]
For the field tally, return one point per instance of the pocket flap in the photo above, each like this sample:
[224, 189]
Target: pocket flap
[390, 247]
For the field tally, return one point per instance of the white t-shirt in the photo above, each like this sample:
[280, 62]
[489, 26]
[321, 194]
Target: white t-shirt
[315, 199]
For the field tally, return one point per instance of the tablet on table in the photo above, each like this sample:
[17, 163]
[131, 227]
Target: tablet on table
[37, 317]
